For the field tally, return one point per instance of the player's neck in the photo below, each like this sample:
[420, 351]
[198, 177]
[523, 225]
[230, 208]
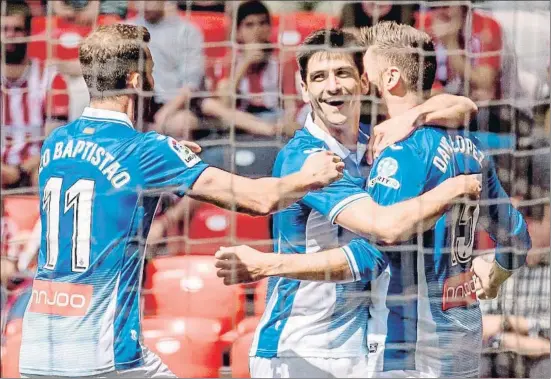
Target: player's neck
[119, 104]
[397, 105]
[345, 134]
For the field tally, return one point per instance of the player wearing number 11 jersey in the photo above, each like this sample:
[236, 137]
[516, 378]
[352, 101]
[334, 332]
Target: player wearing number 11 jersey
[100, 182]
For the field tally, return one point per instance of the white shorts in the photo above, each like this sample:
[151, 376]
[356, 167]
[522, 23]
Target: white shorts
[308, 367]
[153, 367]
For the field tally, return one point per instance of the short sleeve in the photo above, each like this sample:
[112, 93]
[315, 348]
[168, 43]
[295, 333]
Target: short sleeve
[165, 164]
[332, 199]
[397, 175]
[365, 260]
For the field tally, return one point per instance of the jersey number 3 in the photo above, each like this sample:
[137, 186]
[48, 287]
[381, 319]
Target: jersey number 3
[78, 198]
[465, 218]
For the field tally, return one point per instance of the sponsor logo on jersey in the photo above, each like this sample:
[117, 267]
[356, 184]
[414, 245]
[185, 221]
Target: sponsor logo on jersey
[385, 169]
[187, 156]
[459, 291]
[62, 299]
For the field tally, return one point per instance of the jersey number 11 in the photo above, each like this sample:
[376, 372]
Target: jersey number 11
[79, 198]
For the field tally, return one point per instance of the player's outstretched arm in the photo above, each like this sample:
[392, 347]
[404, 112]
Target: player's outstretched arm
[266, 195]
[357, 260]
[400, 221]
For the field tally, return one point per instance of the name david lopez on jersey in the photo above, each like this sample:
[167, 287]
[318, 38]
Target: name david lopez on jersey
[91, 152]
[450, 146]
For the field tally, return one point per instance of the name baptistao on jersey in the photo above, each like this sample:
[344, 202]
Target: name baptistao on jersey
[91, 152]
[100, 182]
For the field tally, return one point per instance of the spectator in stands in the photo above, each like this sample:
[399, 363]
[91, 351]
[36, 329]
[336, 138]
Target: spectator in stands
[86, 12]
[34, 101]
[177, 48]
[464, 48]
[516, 324]
[367, 13]
[261, 72]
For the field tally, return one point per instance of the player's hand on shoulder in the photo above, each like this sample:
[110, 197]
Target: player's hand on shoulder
[391, 131]
[240, 264]
[321, 169]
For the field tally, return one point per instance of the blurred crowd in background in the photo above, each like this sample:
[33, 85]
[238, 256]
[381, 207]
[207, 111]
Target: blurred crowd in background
[226, 77]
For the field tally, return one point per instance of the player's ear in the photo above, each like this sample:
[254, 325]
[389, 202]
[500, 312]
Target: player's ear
[365, 84]
[135, 81]
[304, 92]
[391, 78]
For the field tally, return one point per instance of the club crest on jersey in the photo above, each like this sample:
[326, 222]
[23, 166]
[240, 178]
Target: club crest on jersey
[187, 156]
[385, 169]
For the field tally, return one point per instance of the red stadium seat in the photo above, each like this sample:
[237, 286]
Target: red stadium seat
[215, 27]
[211, 227]
[190, 347]
[63, 36]
[23, 210]
[187, 286]
[291, 29]
[10, 349]
[239, 356]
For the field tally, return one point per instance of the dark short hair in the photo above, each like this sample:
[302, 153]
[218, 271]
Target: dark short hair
[252, 7]
[109, 54]
[407, 48]
[331, 41]
[20, 8]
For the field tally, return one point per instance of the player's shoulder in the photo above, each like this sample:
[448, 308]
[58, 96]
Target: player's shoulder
[159, 146]
[59, 133]
[297, 150]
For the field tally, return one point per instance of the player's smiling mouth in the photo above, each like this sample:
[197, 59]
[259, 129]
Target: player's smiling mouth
[335, 101]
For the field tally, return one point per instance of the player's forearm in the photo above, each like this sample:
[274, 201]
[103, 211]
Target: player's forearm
[328, 266]
[447, 110]
[498, 275]
[399, 222]
[507, 227]
[279, 193]
[253, 196]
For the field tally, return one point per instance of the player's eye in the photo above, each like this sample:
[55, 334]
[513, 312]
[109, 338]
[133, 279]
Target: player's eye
[317, 77]
[344, 73]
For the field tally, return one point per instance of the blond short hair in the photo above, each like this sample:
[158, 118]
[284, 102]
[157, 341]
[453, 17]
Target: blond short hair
[403, 46]
[109, 54]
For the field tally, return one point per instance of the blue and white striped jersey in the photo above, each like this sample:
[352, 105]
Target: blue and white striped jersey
[100, 181]
[317, 319]
[425, 314]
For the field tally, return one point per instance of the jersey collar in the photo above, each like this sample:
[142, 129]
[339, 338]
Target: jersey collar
[335, 146]
[106, 115]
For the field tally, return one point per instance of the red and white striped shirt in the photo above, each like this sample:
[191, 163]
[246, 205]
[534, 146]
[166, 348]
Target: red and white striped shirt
[40, 93]
[264, 88]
